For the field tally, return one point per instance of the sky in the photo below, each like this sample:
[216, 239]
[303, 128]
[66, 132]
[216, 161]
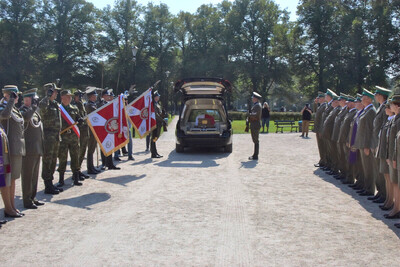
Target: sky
[192, 5]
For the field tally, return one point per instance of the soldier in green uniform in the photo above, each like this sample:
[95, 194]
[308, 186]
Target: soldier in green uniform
[155, 134]
[69, 140]
[381, 96]
[317, 127]
[83, 129]
[34, 148]
[51, 118]
[254, 119]
[325, 143]
[13, 124]
[91, 106]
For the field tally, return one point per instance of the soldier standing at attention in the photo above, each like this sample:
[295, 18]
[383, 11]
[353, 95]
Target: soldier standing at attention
[254, 118]
[91, 106]
[381, 96]
[318, 125]
[83, 129]
[325, 143]
[34, 149]
[363, 142]
[13, 124]
[155, 134]
[51, 118]
[69, 140]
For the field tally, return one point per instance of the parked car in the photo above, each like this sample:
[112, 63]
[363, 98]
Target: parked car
[203, 117]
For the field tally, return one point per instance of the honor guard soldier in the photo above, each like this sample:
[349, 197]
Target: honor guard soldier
[13, 124]
[51, 119]
[381, 96]
[364, 142]
[254, 119]
[91, 106]
[318, 125]
[33, 135]
[107, 96]
[83, 129]
[69, 139]
[155, 134]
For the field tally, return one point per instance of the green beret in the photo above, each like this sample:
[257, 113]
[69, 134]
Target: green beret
[30, 93]
[368, 93]
[10, 88]
[382, 91]
[66, 92]
[331, 93]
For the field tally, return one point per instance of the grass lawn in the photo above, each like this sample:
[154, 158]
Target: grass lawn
[239, 126]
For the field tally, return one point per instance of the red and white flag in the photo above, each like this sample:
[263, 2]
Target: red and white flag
[65, 115]
[141, 113]
[109, 125]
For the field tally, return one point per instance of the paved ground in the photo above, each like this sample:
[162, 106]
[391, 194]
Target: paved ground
[206, 208]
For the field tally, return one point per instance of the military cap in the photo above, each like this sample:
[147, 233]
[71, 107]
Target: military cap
[256, 95]
[66, 92]
[78, 93]
[367, 93]
[107, 92]
[382, 91]
[331, 93]
[156, 93]
[358, 98]
[51, 86]
[343, 96]
[30, 93]
[91, 91]
[335, 97]
[10, 88]
[350, 98]
[395, 99]
[321, 94]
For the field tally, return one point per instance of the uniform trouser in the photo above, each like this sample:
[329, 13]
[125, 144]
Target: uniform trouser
[92, 143]
[255, 134]
[154, 134]
[83, 143]
[380, 182]
[69, 142]
[328, 153]
[320, 149]
[50, 153]
[334, 156]
[340, 158]
[345, 162]
[368, 165]
[29, 180]
[359, 170]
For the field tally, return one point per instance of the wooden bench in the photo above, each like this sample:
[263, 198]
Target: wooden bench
[286, 124]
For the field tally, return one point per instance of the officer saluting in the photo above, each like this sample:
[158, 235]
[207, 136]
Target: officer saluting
[34, 148]
[51, 118]
[254, 118]
[91, 106]
[155, 134]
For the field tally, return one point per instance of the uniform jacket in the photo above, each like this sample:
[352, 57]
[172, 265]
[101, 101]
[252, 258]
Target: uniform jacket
[365, 128]
[33, 131]
[327, 128]
[318, 117]
[346, 125]
[325, 114]
[379, 121]
[51, 116]
[13, 124]
[338, 123]
[90, 106]
[255, 116]
[383, 145]
[392, 137]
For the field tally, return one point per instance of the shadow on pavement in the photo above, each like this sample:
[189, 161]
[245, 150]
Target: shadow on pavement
[248, 164]
[84, 201]
[122, 180]
[368, 205]
[193, 158]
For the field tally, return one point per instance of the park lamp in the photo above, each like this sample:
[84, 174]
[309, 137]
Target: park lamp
[134, 52]
[167, 73]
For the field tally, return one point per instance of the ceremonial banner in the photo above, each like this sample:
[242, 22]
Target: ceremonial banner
[141, 114]
[69, 120]
[110, 126]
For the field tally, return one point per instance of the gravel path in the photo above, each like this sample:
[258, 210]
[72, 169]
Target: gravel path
[206, 208]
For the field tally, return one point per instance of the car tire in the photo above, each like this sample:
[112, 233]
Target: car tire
[228, 148]
[179, 148]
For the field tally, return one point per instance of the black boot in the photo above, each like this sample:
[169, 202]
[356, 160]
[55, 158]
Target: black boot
[124, 152]
[49, 188]
[60, 180]
[256, 150]
[82, 176]
[90, 167]
[75, 178]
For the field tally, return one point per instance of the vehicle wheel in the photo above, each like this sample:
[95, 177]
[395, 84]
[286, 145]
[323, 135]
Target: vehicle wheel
[228, 148]
[179, 148]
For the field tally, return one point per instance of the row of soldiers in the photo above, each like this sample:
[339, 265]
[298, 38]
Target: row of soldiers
[39, 130]
[357, 144]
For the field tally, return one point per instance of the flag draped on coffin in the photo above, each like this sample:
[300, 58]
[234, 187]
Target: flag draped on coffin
[109, 125]
[141, 114]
